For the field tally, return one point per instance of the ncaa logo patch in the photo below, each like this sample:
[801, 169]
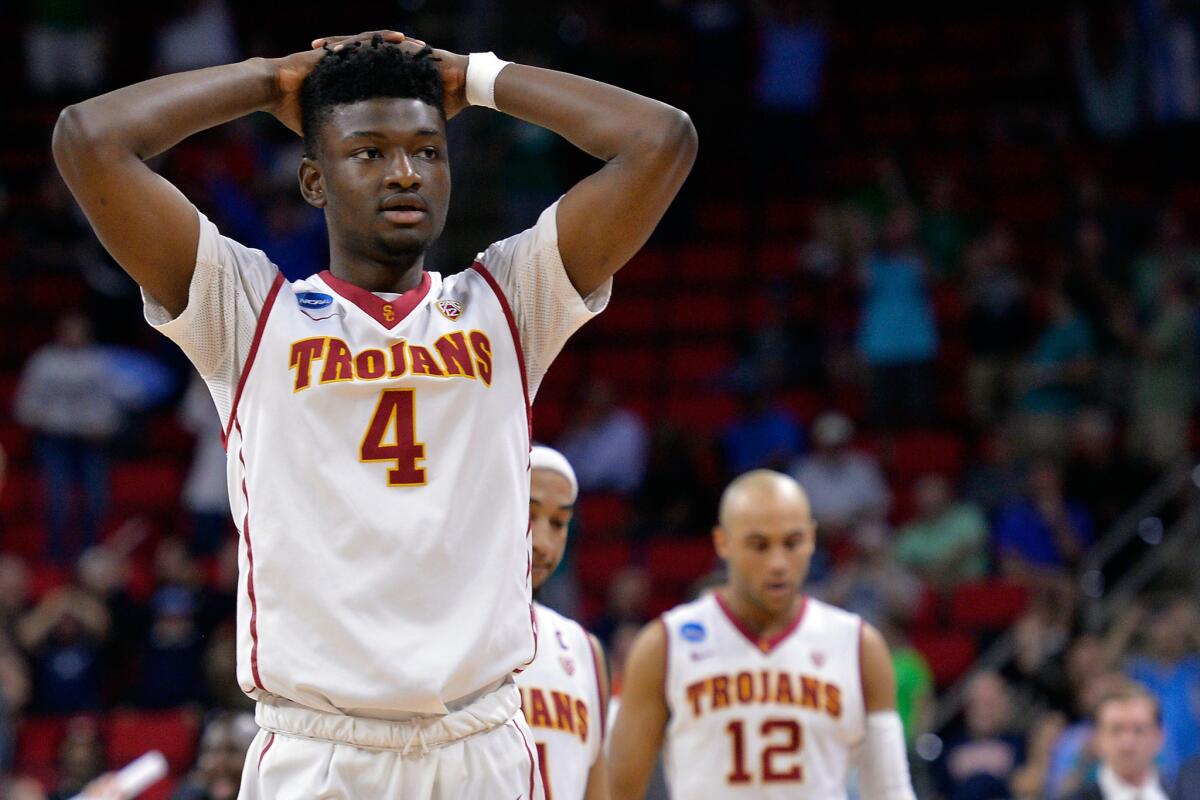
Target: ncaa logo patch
[693, 631]
[451, 309]
[313, 301]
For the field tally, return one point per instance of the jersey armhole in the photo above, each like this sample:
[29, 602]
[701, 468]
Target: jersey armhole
[501, 298]
[662, 620]
[268, 304]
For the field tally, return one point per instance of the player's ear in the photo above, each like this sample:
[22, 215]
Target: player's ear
[312, 183]
[720, 539]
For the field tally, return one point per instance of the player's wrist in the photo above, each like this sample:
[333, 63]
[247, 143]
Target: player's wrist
[480, 80]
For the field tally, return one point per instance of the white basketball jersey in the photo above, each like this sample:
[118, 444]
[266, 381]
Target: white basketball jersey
[761, 719]
[378, 455]
[561, 697]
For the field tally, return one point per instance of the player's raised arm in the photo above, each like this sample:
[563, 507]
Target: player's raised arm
[101, 144]
[642, 721]
[883, 761]
[648, 148]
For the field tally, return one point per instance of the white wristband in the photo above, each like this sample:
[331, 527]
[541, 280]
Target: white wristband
[482, 69]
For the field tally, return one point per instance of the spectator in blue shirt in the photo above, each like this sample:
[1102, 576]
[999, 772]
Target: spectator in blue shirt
[762, 435]
[1044, 532]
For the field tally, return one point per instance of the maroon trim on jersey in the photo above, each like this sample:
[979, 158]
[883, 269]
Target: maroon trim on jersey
[592, 645]
[268, 304]
[666, 660]
[761, 644]
[862, 684]
[516, 337]
[373, 305]
[263, 754]
[249, 568]
[533, 770]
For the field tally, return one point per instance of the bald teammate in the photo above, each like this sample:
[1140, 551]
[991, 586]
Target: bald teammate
[564, 692]
[759, 691]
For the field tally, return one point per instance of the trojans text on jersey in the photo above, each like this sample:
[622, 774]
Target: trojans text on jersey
[765, 687]
[326, 359]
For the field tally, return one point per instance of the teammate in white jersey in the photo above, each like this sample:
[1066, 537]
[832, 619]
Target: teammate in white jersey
[564, 692]
[759, 691]
[377, 415]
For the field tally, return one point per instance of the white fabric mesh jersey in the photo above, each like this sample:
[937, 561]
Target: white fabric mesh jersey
[776, 718]
[378, 454]
[561, 697]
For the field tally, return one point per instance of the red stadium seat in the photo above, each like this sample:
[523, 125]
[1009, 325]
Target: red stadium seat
[675, 564]
[45, 578]
[923, 452]
[698, 411]
[698, 364]
[602, 515]
[712, 315]
[646, 271]
[597, 562]
[990, 605]
[949, 653]
[38, 739]
[630, 317]
[623, 366]
[131, 733]
[147, 486]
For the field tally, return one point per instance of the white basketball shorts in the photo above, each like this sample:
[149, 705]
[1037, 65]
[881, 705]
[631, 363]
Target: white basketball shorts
[482, 750]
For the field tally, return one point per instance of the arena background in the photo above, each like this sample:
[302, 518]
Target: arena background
[970, 234]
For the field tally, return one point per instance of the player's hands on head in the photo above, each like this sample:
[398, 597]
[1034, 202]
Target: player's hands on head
[452, 66]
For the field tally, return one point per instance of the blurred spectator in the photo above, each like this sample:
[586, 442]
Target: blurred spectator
[218, 771]
[1072, 759]
[1055, 374]
[19, 788]
[1038, 672]
[530, 171]
[898, 333]
[220, 671]
[762, 435]
[784, 347]
[171, 666]
[66, 397]
[606, 444]
[1128, 737]
[14, 591]
[844, 486]
[202, 36]
[977, 764]
[1173, 56]
[1105, 57]
[996, 475]
[1029, 780]
[677, 495]
[205, 490]
[1045, 533]
[64, 636]
[1187, 785]
[793, 49]
[947, 543]
[80, 758]
[64, 47]
[873, 585]
[945, 229]
[628, 597]
[1171, 253]
[997, 324]
[1164, 375]
[15, 691]
[1167, 662]
[1098, 474]
[914, 682]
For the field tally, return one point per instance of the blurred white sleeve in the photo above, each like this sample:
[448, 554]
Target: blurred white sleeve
[883, 760]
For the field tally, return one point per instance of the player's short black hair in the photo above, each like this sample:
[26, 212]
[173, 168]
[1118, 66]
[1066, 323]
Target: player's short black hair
[355, 73]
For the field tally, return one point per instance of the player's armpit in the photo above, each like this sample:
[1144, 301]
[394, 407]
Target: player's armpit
[642, 720]
[597, 785]
[878, 675]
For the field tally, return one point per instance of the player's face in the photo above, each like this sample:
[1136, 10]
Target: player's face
[383, 177]
[768, 547]
[550, 509]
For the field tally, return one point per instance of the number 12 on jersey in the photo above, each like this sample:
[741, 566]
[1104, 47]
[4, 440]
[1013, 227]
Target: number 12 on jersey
[791, 741]
[392, 436]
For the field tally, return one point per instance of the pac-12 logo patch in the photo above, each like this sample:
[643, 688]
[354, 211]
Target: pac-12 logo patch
[451, 309]
[313, 301]
[692, 631]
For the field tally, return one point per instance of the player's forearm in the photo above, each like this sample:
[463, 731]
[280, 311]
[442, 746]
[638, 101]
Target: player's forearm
[148, 118]
[602, 120]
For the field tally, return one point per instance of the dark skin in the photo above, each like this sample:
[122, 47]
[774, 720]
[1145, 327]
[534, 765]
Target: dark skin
[150, 228]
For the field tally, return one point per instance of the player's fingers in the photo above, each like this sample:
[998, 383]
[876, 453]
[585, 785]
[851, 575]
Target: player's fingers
[333, 41]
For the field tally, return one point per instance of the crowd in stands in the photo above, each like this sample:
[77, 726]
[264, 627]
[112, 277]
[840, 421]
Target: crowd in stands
[956, 300]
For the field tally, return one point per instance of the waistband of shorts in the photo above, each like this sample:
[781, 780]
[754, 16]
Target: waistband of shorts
[417, 736]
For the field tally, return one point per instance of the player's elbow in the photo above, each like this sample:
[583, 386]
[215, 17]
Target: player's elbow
[676, 142]
[75, 135]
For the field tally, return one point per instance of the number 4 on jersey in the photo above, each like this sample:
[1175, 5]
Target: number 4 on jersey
[392, 436]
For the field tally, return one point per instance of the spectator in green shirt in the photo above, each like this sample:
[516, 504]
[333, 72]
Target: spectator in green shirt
[947, 543]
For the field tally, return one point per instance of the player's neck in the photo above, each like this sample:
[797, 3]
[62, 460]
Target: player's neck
[763, 622]
[396, 274]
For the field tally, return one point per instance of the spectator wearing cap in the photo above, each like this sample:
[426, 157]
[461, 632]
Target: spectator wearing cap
[845, 486]
[1128, 739]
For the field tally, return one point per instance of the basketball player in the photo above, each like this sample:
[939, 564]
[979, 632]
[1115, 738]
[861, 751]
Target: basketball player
[564, 692]
[376, 415]
[760, 692]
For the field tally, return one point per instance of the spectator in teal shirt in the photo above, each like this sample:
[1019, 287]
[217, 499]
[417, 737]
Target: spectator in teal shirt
[1055, 375]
